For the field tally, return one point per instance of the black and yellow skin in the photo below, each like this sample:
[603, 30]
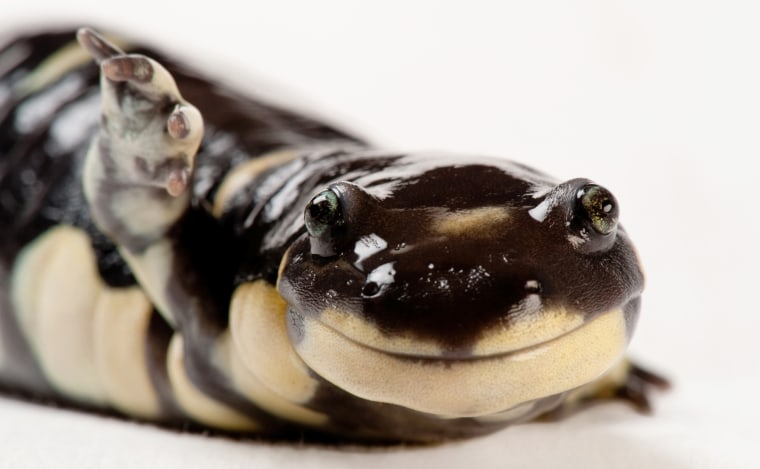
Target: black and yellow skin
[177, 252]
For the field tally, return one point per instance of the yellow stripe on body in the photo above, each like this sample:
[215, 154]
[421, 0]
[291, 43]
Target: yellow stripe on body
[196, 404]
[54, 289]
[482, 222]
[263, 364]
[240, 176]
[89, 339]
[57, 65]
[120, 335]
[236, 367]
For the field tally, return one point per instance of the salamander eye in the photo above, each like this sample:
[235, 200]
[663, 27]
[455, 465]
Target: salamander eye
[599, 207]
[324, 221]
[323, 213]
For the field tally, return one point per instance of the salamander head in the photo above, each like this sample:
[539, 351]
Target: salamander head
[461, 290]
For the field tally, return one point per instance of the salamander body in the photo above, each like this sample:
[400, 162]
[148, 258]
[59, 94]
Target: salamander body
[175, 251]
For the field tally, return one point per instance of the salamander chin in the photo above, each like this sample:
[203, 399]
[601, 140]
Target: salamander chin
[457, 387]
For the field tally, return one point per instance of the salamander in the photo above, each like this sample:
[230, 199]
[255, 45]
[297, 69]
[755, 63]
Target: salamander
[175, 251]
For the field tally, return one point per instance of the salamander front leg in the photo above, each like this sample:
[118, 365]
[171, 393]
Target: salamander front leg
[138, 182]
[141, 164]
[139, 168]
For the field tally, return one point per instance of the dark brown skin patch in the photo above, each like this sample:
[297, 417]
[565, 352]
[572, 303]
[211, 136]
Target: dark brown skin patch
[452, 290]
[156, 348]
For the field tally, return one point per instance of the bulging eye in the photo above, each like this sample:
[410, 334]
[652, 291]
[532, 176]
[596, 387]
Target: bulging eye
[323, 213]
[324, 221]
[599, 207]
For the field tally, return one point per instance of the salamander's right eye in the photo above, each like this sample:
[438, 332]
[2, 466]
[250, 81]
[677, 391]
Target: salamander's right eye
[323, 213]
[323, 218]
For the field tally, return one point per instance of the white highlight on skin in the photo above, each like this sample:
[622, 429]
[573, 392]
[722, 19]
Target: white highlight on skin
[41, 107]
[75, 124]
[285, 197]
[541, 211]
[418, 164]
[383, 276]
[367, 246]
[531, 285]
[466, 388]
[241, 175]
[13, 56]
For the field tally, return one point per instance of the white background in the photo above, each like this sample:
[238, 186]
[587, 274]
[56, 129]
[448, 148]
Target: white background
[657, 100]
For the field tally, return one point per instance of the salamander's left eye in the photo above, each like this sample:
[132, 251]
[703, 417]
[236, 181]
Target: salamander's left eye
[323, 213]
[600, 208]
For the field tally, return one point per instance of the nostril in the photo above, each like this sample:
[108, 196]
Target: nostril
[370, 289]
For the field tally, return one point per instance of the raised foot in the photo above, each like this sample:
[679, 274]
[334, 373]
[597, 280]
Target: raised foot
[149, 134]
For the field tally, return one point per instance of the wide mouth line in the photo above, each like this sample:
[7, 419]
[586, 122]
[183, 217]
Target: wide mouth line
[441, 359]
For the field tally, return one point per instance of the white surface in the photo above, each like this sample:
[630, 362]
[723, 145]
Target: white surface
[657, 100]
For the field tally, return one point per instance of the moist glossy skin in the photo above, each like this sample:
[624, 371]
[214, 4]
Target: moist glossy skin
[461, 260]
[457, 263]
[288, 278]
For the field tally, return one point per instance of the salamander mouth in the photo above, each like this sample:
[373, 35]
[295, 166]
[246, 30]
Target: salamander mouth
[461, 387]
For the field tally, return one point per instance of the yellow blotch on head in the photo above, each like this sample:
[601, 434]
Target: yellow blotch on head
[476, 222]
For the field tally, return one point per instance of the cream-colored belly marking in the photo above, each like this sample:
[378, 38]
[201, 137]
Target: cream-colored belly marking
[257, 324]
[153, 268]
[237, 178]
[90, 339]
[466, 388]
[54, 289]
[247, 384]
[196, 404]
[122, 318]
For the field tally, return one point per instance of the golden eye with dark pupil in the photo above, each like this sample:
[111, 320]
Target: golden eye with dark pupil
[322, 213]
[600, 207]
